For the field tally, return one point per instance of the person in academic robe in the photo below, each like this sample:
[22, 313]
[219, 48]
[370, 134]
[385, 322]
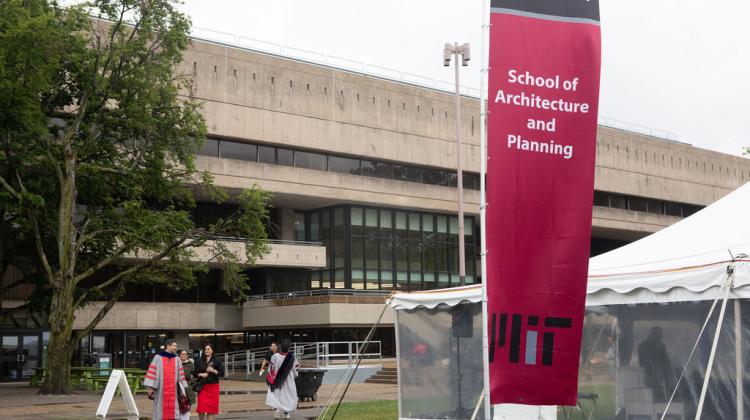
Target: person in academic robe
[164, 380]
[282, 392]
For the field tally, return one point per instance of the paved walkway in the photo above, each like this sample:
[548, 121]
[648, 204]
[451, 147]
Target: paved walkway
[240, 400]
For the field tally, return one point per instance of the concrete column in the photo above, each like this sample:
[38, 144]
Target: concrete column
[183, 339]
[287, 224]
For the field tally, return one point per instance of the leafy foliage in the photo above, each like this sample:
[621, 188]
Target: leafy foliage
[98, 132]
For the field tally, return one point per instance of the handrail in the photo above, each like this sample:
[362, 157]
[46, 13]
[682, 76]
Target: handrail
[319, 292]
[270, 241]
[327, 354]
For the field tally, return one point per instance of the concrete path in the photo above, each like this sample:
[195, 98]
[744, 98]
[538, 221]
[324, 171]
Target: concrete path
[239, 400]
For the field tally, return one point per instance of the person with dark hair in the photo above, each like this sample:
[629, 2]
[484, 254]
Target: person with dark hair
[209, 369]
[657, 368]
[267, 360]
[282, 392]
[187, 365]
[165, 381]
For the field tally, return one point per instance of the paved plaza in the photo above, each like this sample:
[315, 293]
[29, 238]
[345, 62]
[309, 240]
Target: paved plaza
[239, 400]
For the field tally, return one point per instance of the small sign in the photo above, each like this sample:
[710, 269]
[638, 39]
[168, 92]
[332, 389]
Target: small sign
[117, 379]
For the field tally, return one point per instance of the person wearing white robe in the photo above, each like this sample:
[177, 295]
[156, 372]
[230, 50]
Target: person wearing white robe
[284, 397]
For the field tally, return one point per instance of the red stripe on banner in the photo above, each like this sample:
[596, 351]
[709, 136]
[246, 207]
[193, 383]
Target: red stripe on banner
[150, 377]
[542, 104]
[168, 392]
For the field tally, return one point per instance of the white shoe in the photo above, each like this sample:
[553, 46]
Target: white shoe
[276, 414]
[286, 415]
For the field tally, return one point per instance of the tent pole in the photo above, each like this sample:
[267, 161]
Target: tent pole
[690, 357]
[713, 351]
[398, 363]
[738, 358]
[483, 71]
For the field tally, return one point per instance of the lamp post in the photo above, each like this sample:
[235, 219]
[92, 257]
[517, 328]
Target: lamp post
[465, 52]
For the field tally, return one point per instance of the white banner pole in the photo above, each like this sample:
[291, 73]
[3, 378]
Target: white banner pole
[483, 72]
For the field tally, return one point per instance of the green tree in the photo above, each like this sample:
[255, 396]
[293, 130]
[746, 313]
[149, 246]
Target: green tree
[97, 140]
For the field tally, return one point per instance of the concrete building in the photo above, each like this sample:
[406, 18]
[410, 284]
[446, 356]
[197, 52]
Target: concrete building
[363, 175]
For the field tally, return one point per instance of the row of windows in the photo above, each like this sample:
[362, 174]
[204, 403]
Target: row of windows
[335, 163]
[372, 248]
[648, 205]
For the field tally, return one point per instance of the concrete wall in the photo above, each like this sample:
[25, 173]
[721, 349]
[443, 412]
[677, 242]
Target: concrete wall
[634, 164]
[171, 316]
[280, 255]
[340, 311]
[269, 99]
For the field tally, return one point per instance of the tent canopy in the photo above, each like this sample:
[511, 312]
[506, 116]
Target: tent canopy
[686, 261]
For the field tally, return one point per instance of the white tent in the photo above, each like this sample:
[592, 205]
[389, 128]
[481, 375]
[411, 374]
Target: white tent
[701, 258]
[683, 262]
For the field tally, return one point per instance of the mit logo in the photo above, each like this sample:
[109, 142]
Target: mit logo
[498, 335]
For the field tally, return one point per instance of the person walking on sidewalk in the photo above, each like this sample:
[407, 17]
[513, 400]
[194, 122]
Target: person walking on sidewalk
[282, 392]
[208, 369]
[164, 378]
[267, 360]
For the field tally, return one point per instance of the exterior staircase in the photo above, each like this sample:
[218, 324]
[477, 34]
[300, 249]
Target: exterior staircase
[384, 376]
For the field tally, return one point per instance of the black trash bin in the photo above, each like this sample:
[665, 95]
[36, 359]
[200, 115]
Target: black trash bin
[308, 382]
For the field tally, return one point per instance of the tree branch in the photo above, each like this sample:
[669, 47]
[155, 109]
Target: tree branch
[99, 316]
[101, 264]
[40, 249]
[123, 274]
[10, 189]
[92, 235]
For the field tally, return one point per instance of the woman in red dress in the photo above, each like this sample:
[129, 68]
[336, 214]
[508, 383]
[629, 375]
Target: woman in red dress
[208, 369]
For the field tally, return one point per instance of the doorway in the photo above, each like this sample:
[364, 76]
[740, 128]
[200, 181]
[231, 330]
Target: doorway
[19, 356]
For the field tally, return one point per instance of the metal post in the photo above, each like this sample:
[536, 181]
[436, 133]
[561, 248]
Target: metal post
[483, 74]
[711, 356]
[738, 359]
[459, 175]
[349, 344]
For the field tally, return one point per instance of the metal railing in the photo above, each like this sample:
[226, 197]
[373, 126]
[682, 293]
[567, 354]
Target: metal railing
[320, 292]
[270, 241]
[325, 354]
[314, 57]
[337, 353]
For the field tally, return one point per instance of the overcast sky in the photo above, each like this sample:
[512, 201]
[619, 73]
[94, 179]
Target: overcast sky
[680, 68]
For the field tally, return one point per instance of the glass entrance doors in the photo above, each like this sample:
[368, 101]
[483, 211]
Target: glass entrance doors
[19, 356]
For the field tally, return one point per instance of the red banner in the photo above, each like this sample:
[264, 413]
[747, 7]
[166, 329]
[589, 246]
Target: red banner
[543, 100]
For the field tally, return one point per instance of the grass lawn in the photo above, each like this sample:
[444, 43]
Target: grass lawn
[366, 410]
[605, 405]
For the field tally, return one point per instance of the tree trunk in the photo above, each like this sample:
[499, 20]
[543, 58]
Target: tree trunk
[60, 349]
[61, 317]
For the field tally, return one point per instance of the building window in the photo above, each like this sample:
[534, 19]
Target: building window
[266, 154]
[210, 148]
[285, 157]
[241, 151]
[310, 160]
[343, 165]
[328, 162]
[299, 226]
